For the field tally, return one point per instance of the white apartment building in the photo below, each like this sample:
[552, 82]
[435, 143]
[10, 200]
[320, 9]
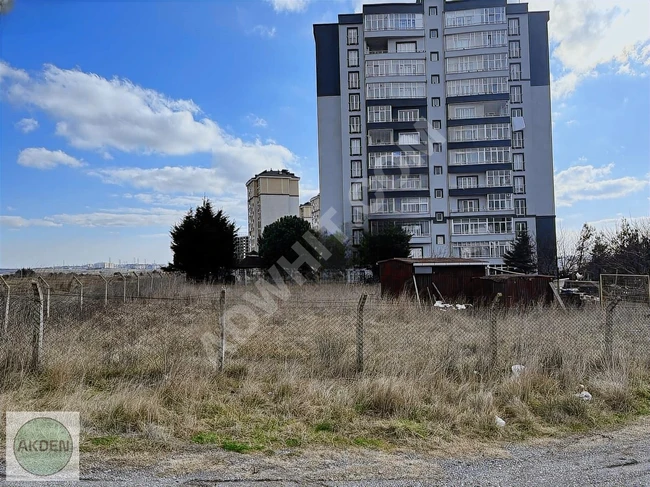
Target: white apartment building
[436, 116]
[271, 195]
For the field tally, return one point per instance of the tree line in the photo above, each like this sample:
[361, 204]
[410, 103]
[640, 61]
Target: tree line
[203, 244]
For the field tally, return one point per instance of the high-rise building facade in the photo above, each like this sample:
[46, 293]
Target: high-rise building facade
[271, 195]
[436, 116]
[242, 246]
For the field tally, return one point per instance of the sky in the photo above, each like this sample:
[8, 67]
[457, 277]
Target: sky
[116, 117]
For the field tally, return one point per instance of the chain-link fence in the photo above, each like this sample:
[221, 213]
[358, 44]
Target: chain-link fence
[318, 329]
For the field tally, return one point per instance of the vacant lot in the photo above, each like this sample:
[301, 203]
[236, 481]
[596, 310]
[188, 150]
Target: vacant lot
[144, 377]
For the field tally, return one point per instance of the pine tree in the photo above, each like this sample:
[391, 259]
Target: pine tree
[521, 256]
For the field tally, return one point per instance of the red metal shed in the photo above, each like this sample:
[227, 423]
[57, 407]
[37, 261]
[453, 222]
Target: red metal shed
[446, 276]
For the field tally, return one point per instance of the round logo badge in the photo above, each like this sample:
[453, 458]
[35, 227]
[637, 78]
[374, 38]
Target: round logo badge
[43, 446]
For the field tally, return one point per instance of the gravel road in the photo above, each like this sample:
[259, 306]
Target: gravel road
[617, 458]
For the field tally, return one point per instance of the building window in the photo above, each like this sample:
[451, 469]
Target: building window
[476, 16]
[440, 240]
[468, 206]
[436, 147]
[477, 63]
[433, 10]
[356, 192]
[355, 124]
[357, 236]
[465, 182]
[513, 27]
[354, 102]
[355, 147]
[517, 112]
[376, 91]
[435, 79]
[353, 58]
[520, 207]
[437, 170]
[518, 162]
[433, 33]
[435, 102]
[356, 169]
[518, 140]
[406, 46]
[438, 193]
[379, 114]
[416, 253]
[410, 115]
[409, 138]
[436, 124]
[515, 94]
[521, 227]
[353, 36]
[434, 56]
[497, 202]
[515, 71]
[520, 184]
[514, 49]
[357, 214]
[353, 80]
[477, 86]
[440, 216]
[476, 40]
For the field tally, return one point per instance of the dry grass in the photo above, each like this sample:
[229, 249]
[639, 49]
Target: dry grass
[141, 376]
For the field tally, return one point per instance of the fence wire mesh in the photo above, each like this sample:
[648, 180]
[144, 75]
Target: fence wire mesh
[317, 330]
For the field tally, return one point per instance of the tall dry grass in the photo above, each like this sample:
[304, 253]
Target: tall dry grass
[140, 373]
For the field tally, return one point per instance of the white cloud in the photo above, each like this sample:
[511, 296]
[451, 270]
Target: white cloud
[289, 5]
[160, 199]
[10, 73]
[121, 217]
[591, 34]
[169, 179]
[264, 31]
[27, 125]
[571, 122]
[42, 158]
[20, 222]
[256, 121]
[100, 114]
[588, 183]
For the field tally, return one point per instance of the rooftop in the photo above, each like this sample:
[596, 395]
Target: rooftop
[276, 173]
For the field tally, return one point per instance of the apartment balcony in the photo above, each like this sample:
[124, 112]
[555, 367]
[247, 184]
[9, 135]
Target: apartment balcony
[479, 190]
[476, 211]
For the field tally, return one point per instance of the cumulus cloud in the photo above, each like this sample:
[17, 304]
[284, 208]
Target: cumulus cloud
[20, 222]
[289, 5]
[27, 125]
[96, 113]
[121, 217]
[42, 158]
[588, 183]
[587, 35]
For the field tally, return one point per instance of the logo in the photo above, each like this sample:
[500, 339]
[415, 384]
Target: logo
[42, 446]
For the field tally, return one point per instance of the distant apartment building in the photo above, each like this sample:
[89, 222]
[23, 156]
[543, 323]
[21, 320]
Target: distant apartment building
[271, 195]
[242, 246]
[315, 212]
[436, 116]
[305, 212]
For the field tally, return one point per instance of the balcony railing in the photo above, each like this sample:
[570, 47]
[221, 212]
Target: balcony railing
[482, 209]
[420, 119]
[411, 188]
[480, 186]
[392, 51]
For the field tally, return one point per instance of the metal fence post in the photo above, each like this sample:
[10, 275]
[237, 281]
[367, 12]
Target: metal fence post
[105, 290]
[494, 337]
[123, 286]
[6, 316]
[137, 280]
[37, 327]
[81, 294]
[222, 326]
[609, 329]
[362, 303]
[47, 293]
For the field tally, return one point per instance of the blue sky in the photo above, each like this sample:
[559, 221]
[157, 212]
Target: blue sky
[116, 117]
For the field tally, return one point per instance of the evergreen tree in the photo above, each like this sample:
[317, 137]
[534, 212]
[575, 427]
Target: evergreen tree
[392, 242]
[278, 238]
[203, 244]
[521, 257]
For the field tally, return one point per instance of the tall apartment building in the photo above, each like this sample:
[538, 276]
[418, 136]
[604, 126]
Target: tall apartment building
[305, 212]
[315, 211]
[271, 195]
[242, 246]
[436, 116]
